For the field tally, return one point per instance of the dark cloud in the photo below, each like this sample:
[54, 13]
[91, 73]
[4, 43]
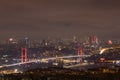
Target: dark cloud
[63, 18]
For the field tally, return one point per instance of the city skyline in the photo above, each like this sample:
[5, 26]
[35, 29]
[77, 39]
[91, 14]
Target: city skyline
[59, 18]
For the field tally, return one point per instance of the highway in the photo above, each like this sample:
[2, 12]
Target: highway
[44, 60]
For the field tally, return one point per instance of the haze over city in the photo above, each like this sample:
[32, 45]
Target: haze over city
[59, 39]
[59, 18]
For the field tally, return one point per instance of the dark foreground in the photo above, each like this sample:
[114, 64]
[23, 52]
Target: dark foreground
[65, 74]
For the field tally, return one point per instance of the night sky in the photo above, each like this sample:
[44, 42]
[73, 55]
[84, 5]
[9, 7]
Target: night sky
[59, 18]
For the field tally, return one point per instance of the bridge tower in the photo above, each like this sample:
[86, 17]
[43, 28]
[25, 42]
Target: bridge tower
[80, 53]
[24, 55]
